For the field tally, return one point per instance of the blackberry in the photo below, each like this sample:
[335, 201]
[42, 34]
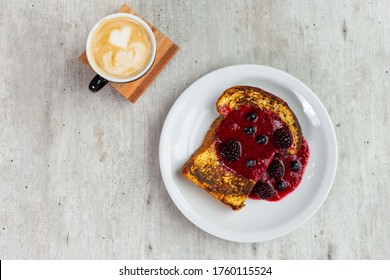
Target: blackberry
[263, 190]
[231, 150]
[283, 138]
[276, 169]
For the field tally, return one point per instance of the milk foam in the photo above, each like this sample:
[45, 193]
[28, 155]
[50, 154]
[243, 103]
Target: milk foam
[120, 38]
[121, 47]
[123, 60]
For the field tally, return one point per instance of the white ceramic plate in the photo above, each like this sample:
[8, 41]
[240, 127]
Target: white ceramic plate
[186, 125]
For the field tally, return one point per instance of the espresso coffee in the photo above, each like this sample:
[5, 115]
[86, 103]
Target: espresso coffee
[121, 47]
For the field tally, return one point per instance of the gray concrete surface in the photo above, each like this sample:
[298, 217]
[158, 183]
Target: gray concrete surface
[79, 172]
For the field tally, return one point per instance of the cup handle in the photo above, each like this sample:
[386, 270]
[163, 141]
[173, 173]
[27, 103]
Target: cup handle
[97, 83]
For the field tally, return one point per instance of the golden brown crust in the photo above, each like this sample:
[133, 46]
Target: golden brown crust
[256, 97]
[205, 170]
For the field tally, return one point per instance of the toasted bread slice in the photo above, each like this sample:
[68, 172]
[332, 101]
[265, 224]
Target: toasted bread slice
[205, 170]
[233, 97]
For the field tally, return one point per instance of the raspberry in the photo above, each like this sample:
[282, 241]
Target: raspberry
[231, 150]
[276, 169]
[263, 190]
[283, 138]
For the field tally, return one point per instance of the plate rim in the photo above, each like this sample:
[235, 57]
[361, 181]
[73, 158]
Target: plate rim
[163, 136]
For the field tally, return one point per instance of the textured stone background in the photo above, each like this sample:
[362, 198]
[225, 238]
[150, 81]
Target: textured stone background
[79, 172]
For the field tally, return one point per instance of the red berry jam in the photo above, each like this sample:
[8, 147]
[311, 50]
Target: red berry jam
[294, 168]
[253, 129]
[248, 140]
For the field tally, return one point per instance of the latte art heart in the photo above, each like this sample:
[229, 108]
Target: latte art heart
[120, 38]
[121, 47]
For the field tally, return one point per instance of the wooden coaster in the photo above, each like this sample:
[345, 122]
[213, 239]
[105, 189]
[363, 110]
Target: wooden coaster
[165, 51]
